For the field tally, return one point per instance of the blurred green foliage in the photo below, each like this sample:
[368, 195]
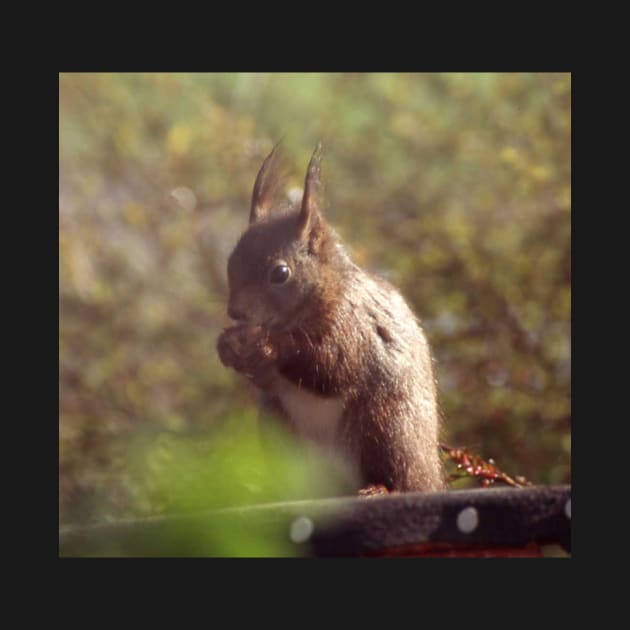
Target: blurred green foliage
[199, 481]
[454, 186]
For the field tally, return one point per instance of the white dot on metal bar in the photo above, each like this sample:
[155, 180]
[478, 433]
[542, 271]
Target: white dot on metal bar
[468, 520]
[567, 508]
[301, 529]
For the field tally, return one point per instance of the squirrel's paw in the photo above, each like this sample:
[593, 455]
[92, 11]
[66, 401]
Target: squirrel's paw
[246, 349]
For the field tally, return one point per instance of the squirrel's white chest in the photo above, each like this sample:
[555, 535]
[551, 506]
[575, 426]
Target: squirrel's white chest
[314, 417]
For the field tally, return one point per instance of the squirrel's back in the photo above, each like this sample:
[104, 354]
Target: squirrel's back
[394, 392]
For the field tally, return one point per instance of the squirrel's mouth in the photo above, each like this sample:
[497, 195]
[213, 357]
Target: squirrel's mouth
[275, 323]
[248, 320]
[271, 322]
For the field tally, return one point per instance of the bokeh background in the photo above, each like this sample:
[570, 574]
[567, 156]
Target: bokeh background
[456, 187]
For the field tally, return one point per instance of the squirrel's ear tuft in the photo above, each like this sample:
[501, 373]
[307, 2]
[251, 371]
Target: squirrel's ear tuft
[267, 187]
[310, 213]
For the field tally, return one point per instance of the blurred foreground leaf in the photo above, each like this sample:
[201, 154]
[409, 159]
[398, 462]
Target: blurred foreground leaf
[202, 475]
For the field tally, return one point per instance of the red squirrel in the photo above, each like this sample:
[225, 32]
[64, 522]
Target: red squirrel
[336, 351]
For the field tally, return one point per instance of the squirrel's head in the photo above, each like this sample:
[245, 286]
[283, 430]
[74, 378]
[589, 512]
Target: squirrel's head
[284, 260]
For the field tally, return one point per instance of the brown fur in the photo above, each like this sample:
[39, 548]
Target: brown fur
[335, 331]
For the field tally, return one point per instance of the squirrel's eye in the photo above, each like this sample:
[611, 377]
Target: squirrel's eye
[279, 274]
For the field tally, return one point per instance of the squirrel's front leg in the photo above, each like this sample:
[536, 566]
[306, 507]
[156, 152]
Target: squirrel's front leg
[249, 351]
